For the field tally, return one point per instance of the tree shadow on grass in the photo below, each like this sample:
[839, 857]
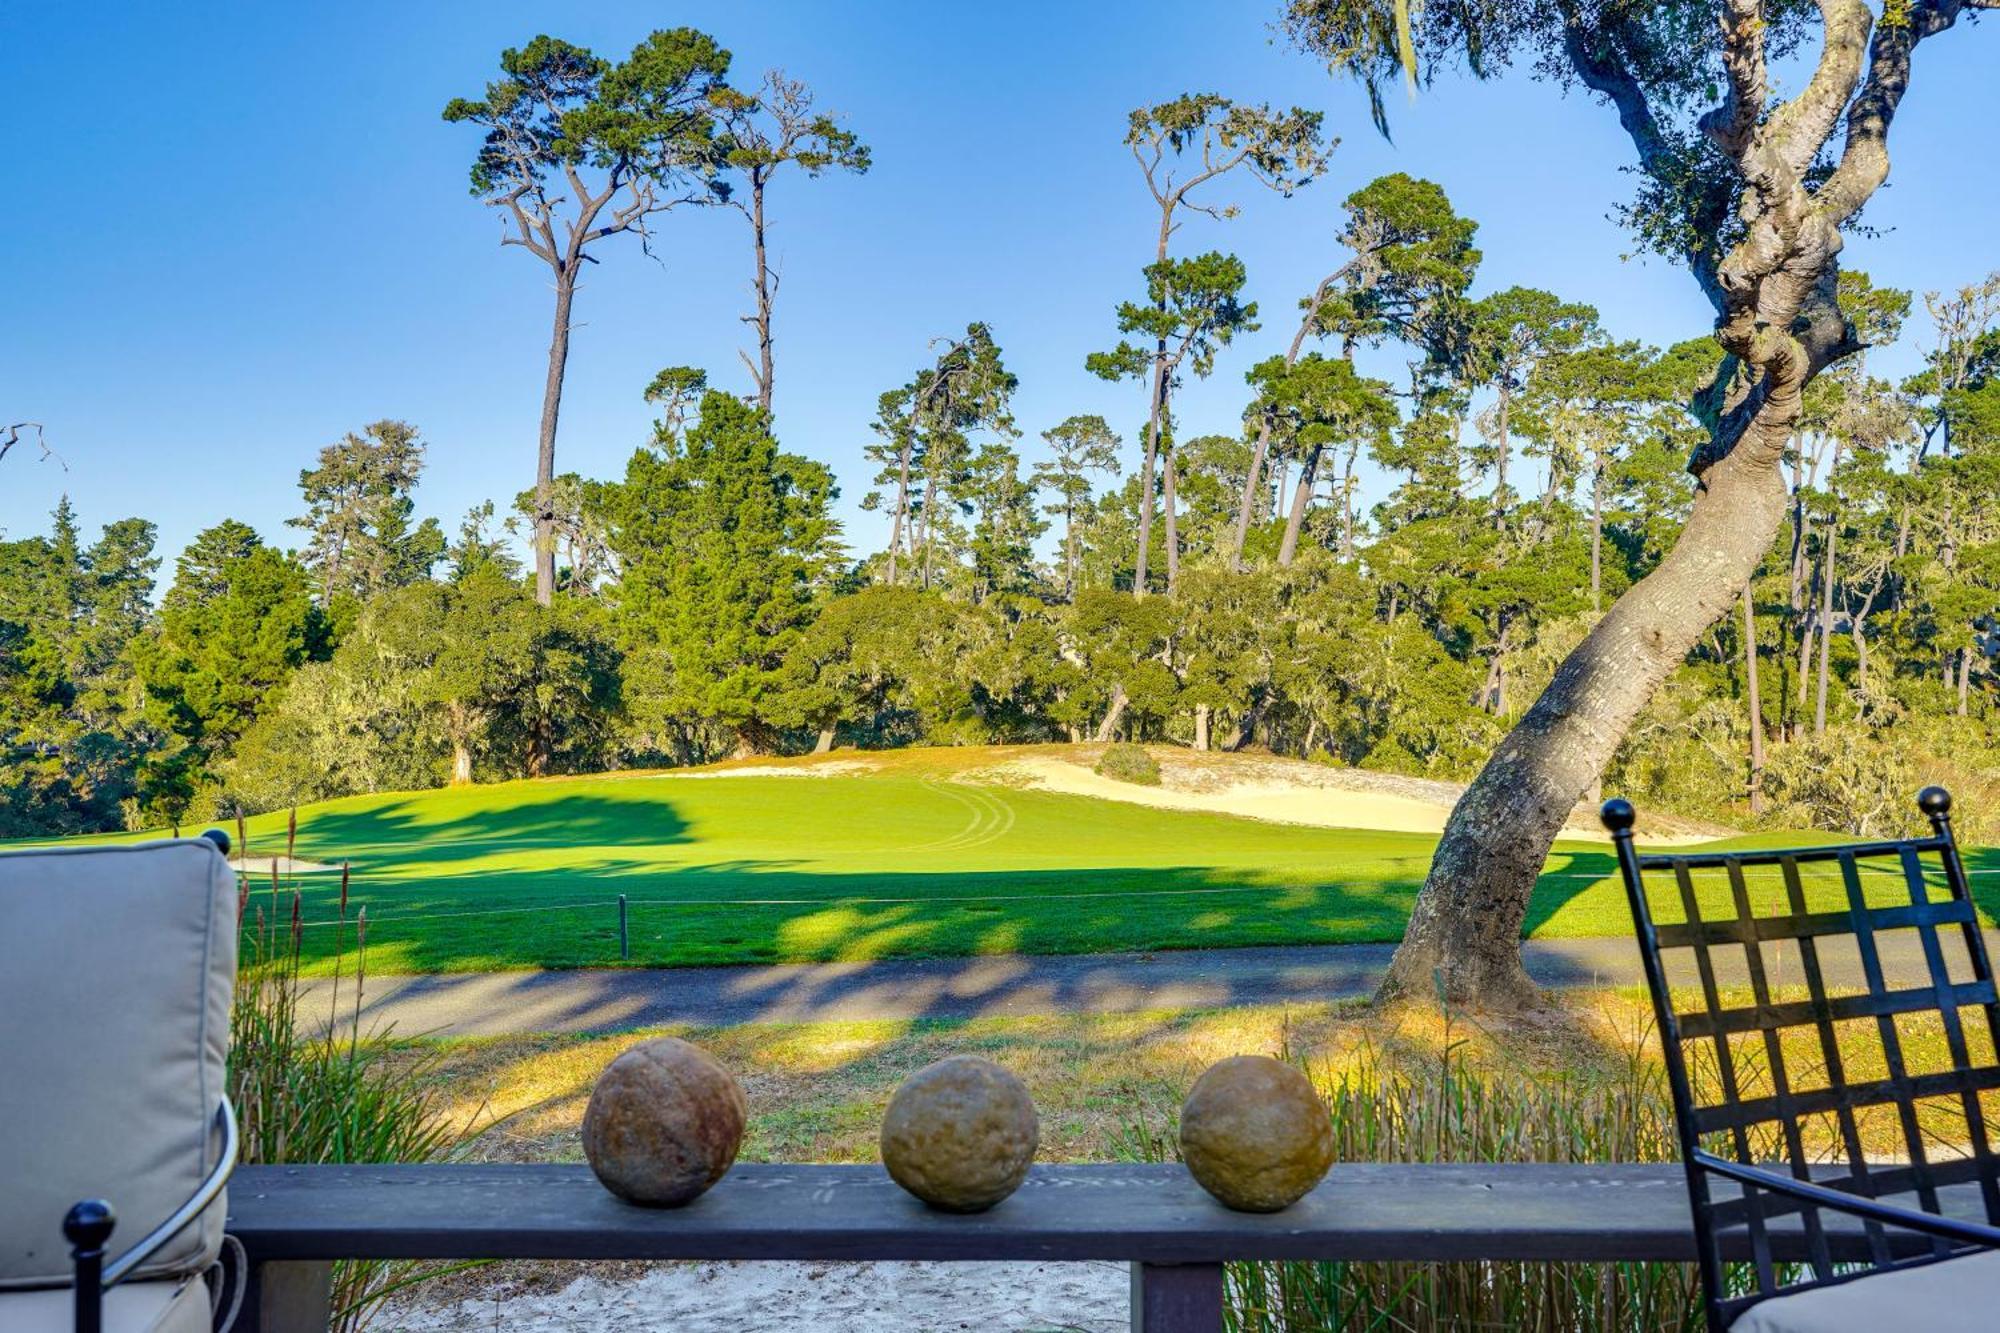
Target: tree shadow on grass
[771, 912]
[410, 830]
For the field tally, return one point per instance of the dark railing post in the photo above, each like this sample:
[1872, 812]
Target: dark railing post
[287, 1297]
[88, 1226]
[1176, 1298]
[624, 931]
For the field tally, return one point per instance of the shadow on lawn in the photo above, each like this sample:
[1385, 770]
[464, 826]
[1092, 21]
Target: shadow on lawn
[768, 912]
[410, 830]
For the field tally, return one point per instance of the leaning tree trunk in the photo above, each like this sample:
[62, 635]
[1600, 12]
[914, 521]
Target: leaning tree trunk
[1113, 715]
[1146, 475]
[1464, 938]
[1463, 944]
[1288, 546]
[545, 458]
[1775, 292]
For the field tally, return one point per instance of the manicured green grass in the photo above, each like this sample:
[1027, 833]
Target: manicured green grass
[902, 862]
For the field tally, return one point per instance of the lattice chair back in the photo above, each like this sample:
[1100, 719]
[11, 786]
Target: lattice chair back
[1828, 1020]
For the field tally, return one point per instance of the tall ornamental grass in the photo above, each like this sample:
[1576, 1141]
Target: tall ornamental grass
[1444, 1109]
[312, 1085]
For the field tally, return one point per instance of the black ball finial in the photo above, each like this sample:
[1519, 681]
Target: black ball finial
[1934, 801]
[88, 1225]
[1618, 814]
[219, 838]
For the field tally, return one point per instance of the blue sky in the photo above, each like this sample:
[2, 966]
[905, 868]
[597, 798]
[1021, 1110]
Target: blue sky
[234, 232]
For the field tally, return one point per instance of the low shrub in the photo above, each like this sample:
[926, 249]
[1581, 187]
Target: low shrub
[1130, 763]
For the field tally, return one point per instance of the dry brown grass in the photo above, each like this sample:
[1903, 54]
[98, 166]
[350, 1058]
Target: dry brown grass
[817, 1090]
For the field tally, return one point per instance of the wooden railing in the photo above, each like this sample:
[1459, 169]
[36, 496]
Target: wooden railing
[294, 1221]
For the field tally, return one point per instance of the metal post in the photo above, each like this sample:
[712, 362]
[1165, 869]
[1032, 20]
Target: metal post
[624, 931]
[1176, 1298]
[87, 1227]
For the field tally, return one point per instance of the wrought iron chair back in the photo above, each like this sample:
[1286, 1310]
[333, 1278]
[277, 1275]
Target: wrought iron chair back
[1835, 997]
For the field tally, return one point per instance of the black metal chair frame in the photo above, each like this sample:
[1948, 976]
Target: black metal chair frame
[1801, 1190]
[89, 1224]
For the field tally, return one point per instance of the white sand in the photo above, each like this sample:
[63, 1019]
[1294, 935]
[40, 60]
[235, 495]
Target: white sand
[809, 1298]
[825, 768]
[1291, 794]
[287, 865]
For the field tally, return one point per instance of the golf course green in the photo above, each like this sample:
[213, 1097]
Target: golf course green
[905, 860]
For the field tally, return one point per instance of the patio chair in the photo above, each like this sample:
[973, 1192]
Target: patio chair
[1853, 957]
[116, 1136]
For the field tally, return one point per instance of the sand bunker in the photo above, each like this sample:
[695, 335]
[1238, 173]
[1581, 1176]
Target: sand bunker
[825, 768]
[1288, 792]
[287, 865]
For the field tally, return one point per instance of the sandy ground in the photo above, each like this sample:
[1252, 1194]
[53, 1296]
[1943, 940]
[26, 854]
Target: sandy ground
[821, 768]
[287, 865]
[1289, 792]
[810, 1298]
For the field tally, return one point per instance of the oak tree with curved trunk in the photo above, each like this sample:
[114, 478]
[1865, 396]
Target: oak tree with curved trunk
[578, 149]
[1735, 190]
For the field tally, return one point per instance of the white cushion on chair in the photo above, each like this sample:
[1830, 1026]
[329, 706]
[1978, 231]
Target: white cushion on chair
[116, 968]
[129, 1307]
[1953, 1296]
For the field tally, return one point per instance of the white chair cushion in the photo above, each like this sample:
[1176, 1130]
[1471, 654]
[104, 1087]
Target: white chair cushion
[129, 1307]
[1954, 1296]
[116, 968]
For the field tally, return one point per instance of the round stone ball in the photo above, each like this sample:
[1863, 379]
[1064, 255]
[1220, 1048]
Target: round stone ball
[664, 1123]
[960, 1134]
[1254, 1134]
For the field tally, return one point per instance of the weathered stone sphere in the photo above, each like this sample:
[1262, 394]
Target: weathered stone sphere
[960, 1134]
[1254, 1134]
[664, 1123]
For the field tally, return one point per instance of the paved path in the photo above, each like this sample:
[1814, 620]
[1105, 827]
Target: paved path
[611, 1000]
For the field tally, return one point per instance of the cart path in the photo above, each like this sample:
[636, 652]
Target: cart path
[612, 1000]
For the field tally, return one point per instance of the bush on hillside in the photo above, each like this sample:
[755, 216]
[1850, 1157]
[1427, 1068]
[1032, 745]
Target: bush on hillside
[1130, 763]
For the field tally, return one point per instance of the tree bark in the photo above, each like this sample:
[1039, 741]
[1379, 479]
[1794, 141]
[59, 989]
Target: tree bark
[1260, 450]
[1755, 702]
[897, 520]
[545, 456]
[1251, 492]
[1146, 473]
[1112, 715]
[1597, 539]
[824, 745]
[1301, 497]
[762, 372]
[1347, 502]
[1201, 717]
[1464, 938]
[1172, 526]
[1826, 622]
[1964, 679]
[1466, 929]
